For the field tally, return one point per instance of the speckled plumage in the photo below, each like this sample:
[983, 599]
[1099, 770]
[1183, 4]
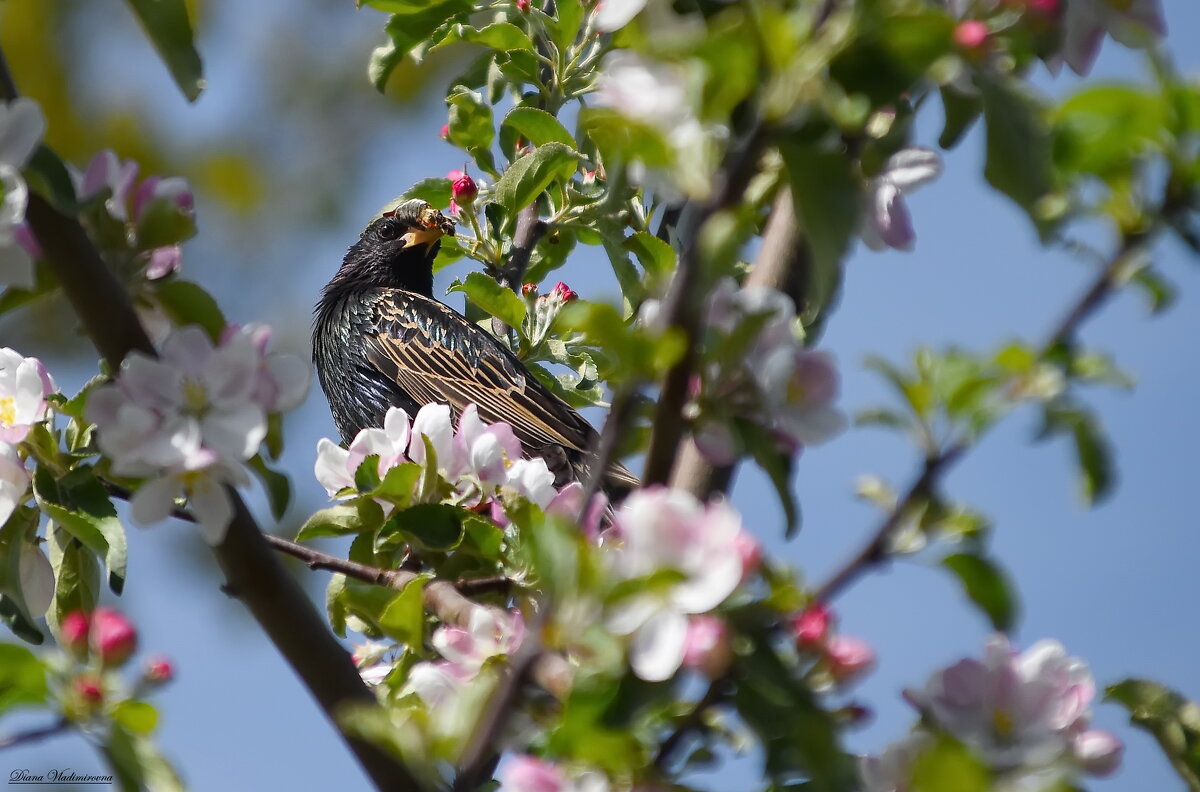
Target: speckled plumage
[380, 339]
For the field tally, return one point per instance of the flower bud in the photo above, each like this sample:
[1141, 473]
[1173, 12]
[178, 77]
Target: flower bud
[462, 187]
[445, 133]
[530, 774]
[87, 687]
[159, 671]
[750, 551]
[1098, 752]
[849, 657]
[811, 626]
[971, 35]
[73, 632]
[706, 646]
[523, 6]
[113, 637]
[529, 290]
[564, 292]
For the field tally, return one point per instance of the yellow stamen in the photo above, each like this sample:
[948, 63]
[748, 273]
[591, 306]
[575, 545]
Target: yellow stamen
[1003, 723]
[8, 411]
[195, 397]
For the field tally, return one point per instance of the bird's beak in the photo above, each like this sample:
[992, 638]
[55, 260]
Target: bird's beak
[433, 225]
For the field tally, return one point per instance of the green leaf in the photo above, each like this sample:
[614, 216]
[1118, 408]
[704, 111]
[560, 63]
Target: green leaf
[404, 617]
[14, 543]
[1173, 720]
[496, 300]
[166, 23]
[399, 482]
[501, 36]
[778, 467]
[185, 303]
[536, 126]
[987, 586]
[961, 113]
[137, 716]
[434, 191]
[162, 222]
[22, 678]
[366, 475]
[49, 178]
[1104, 129]
[411, 24]
[564, 27]
[657, 257]
[948, 766]
[353, 516]
[1019, 162]
[335, 604]
[471, 126]
[276, 484]
[825, 193]
[80, 504]
[121, 750]
[76, 574]
[1091, 447]
[431, 526]
[527, 178]
[1159, 292]
[623, 140]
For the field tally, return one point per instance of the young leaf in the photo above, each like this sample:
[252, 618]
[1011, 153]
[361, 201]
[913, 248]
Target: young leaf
[987, 586]
[403, 619]
[1173, 720]
[353, 516]
[166, 23]
[80, 504]
[411, 24]
[493, 298]
[186, 303]
[1018, 144]
[432, 526]
[22, 678]
[277, 485]
[537, 127]
[527, 178]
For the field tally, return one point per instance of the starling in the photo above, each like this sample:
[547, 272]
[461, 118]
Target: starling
[381, 340]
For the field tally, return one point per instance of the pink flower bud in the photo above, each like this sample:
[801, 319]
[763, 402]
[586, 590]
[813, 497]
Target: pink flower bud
[589, 178]
[530, 774]
[529, 290]
[23, 234]
[849, 657]
[74, 632]
[564, 292]
[971, 35]
[706, 646]
[445, 133]
[1098, 752]
[159, 670]
[113, 637]
[463, 187]
[750, 551]
[523, 6]
[88, 689]
[811, 627]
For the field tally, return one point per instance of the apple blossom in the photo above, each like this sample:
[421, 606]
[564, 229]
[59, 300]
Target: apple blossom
[1134, 23]
[24, 386]
[848, 658]
[1098, 752]
[21, 127]
[530, 774]
[612, 15]
[886, 221]
[205, 490]
[282, 380]
[107, 170]
[660, 528]
[14, 481]
[490, 632]
[707, 646]
[1016, 710]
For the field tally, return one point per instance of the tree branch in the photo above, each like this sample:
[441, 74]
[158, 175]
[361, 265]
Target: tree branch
[681, 307]
[252, 572]
[60, 726]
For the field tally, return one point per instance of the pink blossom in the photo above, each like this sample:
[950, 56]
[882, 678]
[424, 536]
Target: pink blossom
[1134, 23]
[107, 170]
[14, 481]
[971, 35]
[490, 632]
[750, 551]
[162, 261]
[707, 646]
[530, 774]
[24, 386]
[892, 772]
[1098, 752]
[848, 657]
[886, 221]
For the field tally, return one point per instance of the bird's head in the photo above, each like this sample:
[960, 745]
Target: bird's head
[397, 248]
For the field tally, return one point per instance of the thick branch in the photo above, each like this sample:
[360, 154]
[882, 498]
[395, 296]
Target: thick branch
[681, 307]
[252, 571]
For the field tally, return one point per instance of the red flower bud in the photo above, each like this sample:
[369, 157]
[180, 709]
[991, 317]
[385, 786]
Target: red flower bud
[74, 631]
[462, 187]
[445, 133]
[159, 670]
[523, 6]
[971, 35]
[811, 627]
[529, 290]
[113, 637]
[564, 292]
[88, 689]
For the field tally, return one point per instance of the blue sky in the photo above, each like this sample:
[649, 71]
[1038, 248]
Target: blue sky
[1115, 584]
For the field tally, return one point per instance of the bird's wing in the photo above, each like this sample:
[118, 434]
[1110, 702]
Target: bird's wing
[436, 355]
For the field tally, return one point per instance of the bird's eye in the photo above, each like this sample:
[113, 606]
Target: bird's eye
[388, 229]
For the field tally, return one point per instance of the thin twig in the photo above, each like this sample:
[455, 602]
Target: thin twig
[606, 448]
[693, 720]
[875, 552]
[60, 726]
[252, 571]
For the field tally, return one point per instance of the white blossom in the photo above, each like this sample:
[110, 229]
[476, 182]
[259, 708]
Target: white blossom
[1134, 23]
[490, 632]
[659, 529]
[24, 386]
[14, 481]
[613, 15]
[886, 220]
[205, 490]
[892, 771]
[21, 127]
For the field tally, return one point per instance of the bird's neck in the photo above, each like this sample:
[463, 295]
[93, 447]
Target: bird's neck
[410, 273]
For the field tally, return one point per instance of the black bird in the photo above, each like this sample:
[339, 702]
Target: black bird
[380, 339]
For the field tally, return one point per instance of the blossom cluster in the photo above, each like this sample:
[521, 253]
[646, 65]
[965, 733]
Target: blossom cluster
[188, 419]
[481, 461]
[775, 381]
[140, 209]
[1025, 716]
[97, 644]
[21, 127]
[24, 386]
